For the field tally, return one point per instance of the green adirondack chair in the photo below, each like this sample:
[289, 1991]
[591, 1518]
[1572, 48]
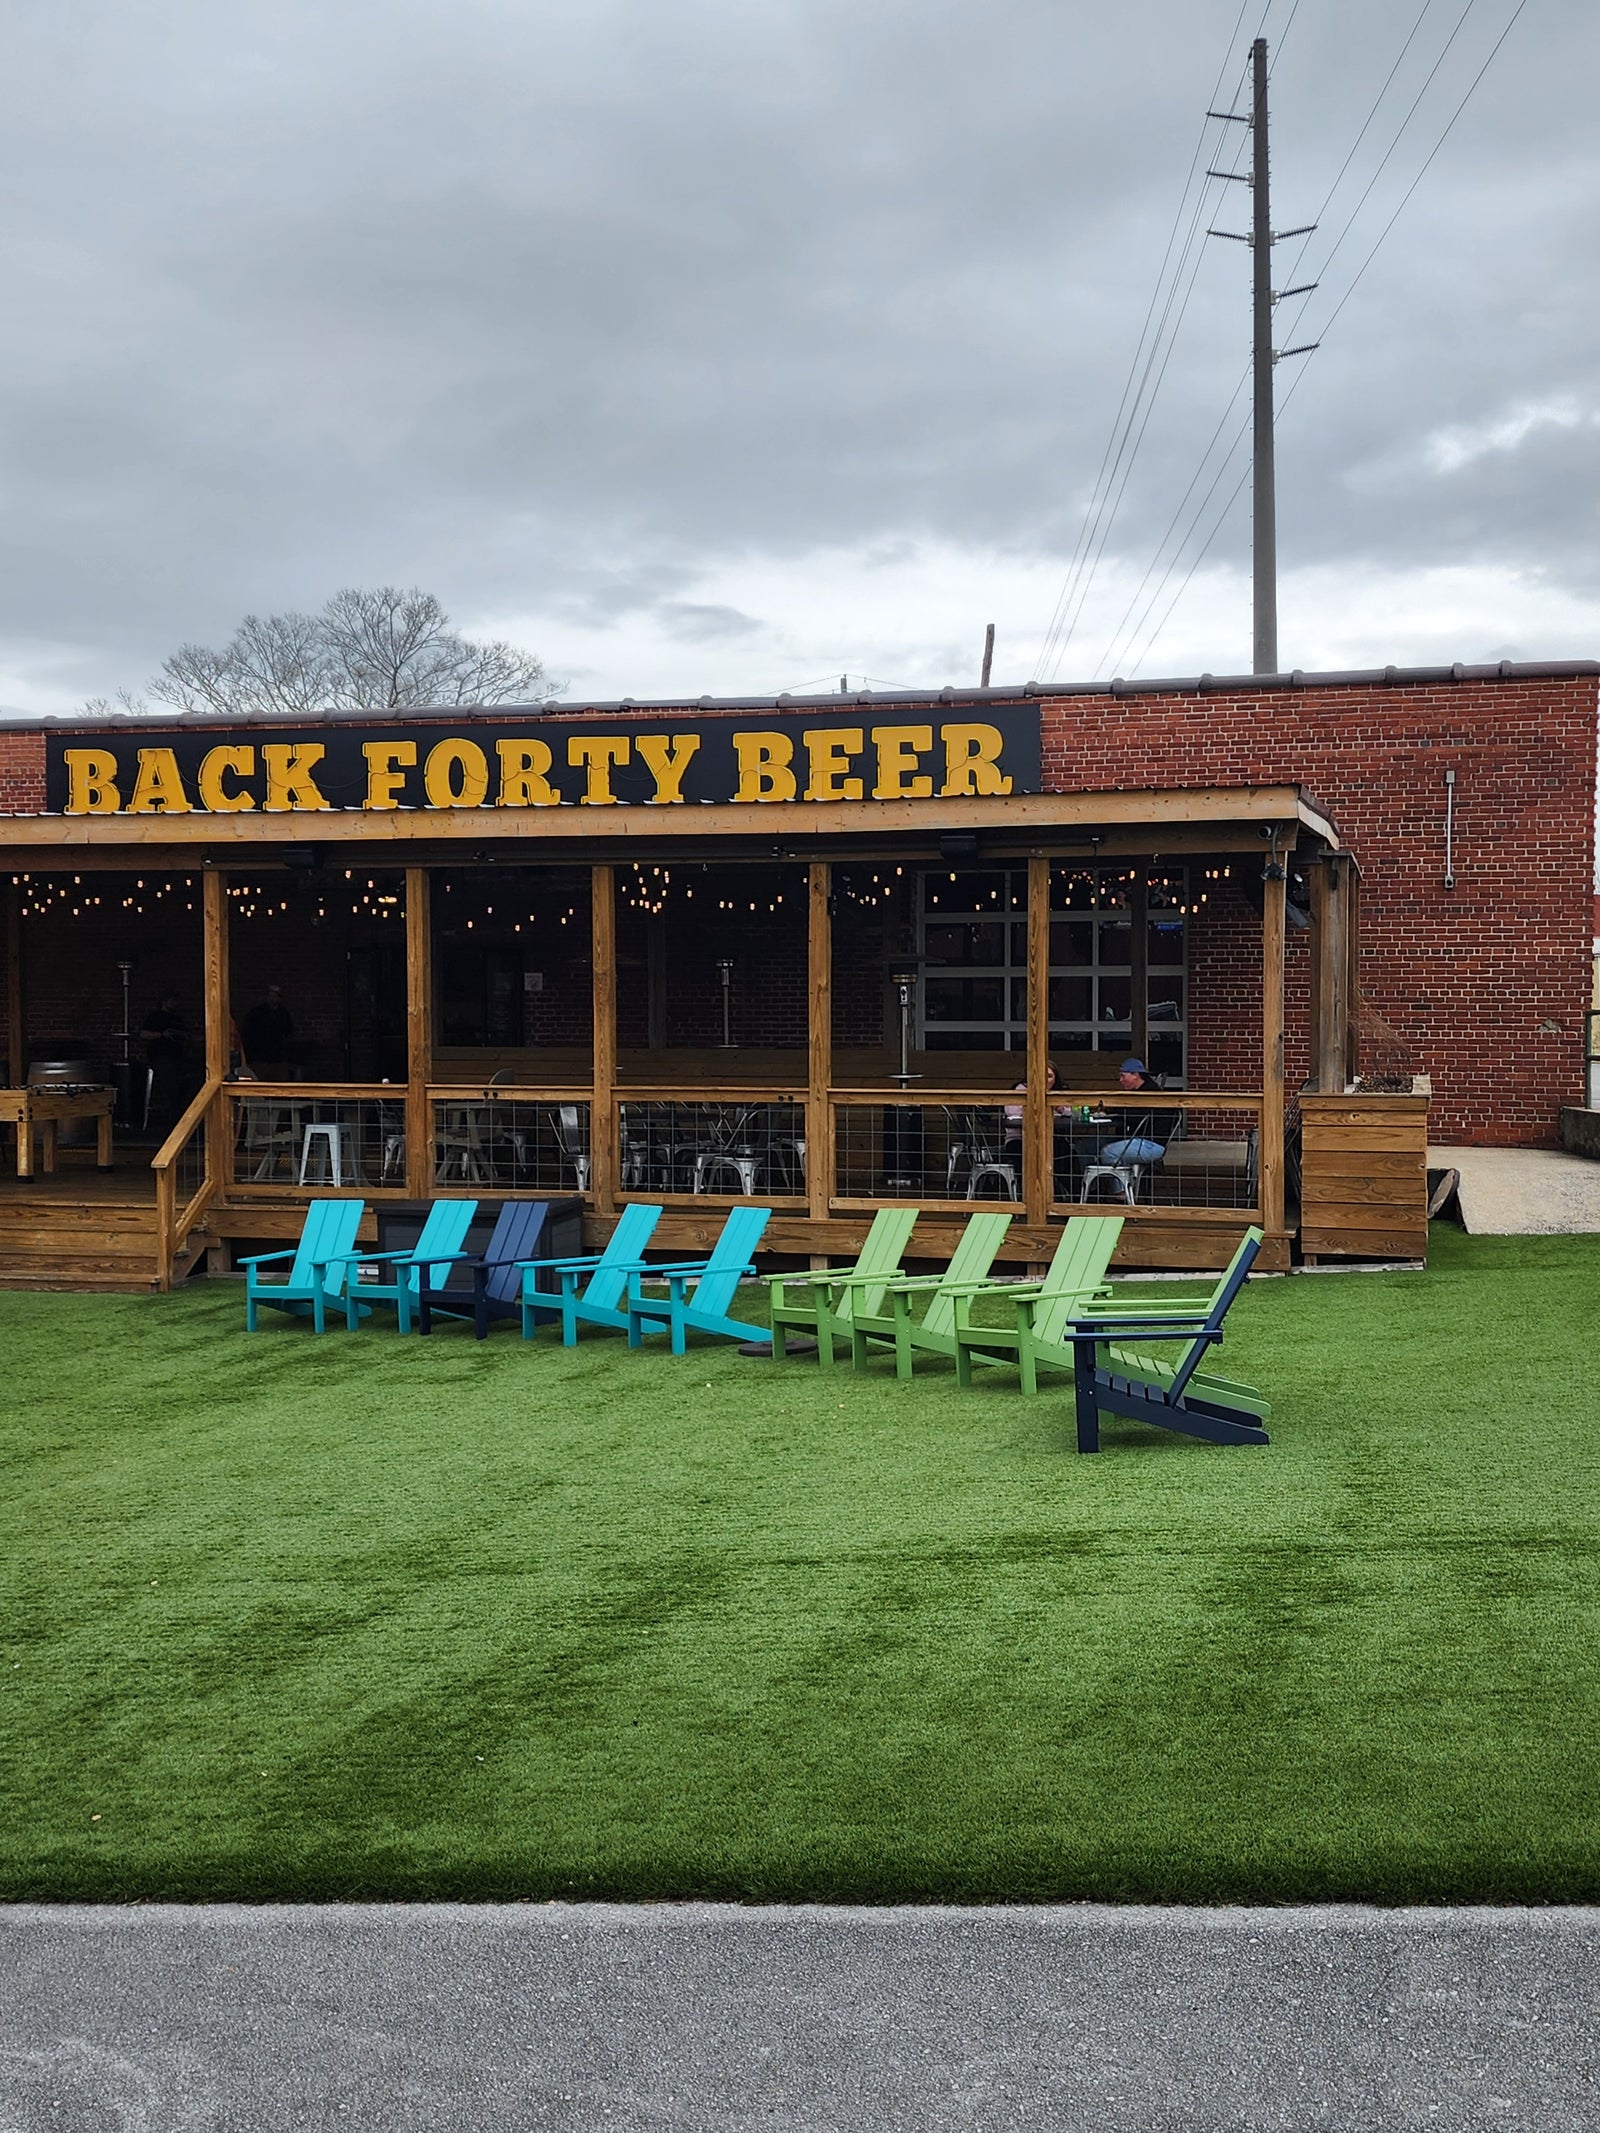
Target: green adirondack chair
[1043, 1310]
[878, 1260]
[404, 1271]
[935, 1331]
[319, 1270]
[1131, 1362]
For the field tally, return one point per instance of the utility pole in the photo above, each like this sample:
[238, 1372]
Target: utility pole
[988, 656]
[1263, 357]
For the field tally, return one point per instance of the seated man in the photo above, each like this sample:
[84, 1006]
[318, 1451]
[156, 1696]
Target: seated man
[1136, 1136]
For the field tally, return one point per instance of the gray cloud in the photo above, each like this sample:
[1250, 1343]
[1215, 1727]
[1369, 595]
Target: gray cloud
[548, 307]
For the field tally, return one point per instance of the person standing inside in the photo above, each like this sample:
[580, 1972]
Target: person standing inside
[268, 1033]
[165, 1038]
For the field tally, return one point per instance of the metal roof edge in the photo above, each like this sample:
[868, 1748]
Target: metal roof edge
[1012, 693]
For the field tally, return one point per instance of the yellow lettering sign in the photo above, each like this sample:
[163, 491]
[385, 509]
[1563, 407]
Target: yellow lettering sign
[291, 789]
[668, 756]
[524, 775]
[158, 787]
[387, 764]
[598, 752]
[91, 781]
[830, 749]
[898, 748]
[764, 760]
[972, 761]
[456, 774]
[217, 764]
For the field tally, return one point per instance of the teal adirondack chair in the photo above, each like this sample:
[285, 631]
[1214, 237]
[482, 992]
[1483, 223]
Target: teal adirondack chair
[935, 1331]
[442, 1236]
[878, 1260]
[1043, 1309]
[703, 1308]
[1131, 1363]
[607, 1274]
[319, 1270]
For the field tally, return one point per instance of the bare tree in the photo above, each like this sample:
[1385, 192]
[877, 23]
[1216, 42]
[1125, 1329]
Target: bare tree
[368, 649]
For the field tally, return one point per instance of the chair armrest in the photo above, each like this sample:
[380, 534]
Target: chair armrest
[1148, 1329]
[263, 1258]
[997, 1282]
[576, 1259]
[362, 1258]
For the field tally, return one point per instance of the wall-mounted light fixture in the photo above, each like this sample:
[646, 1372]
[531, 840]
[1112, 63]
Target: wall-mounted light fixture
[904, 981]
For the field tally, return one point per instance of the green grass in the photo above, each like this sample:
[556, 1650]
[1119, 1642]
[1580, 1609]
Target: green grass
[367, 1618]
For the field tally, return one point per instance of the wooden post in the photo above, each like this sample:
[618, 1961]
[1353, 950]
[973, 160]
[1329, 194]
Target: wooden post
[1139, 965]
[1317, 882]
[603, 1163]
[1038, 1126]
[1329, 978]
[16, 1035]
[819, 1040]
[214, 926]
[1352, 971]
[419, 1033]
[1274, 894]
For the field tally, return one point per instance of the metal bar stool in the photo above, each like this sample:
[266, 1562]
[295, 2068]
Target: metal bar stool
[333, 1147]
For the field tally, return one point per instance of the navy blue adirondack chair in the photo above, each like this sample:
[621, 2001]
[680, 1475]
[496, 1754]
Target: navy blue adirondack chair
[704, 1307]
[1111, 1377]
[603, 1275]
[403, 1272]
[496, 1273]
[319, 1268]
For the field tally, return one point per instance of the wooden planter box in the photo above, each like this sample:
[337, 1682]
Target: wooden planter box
[1364, 1176]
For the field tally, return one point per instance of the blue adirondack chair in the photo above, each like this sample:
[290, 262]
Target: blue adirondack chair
[442, 1234]
[496, 1272]
[704, 1307]
[604, 1275]
[319, 1269]
[1111, 1377]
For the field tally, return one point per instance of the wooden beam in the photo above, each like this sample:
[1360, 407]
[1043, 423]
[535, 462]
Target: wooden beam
[1329, 976]
[631, 826]
[16, 1032]
[819, 1038]
[1038, 1129]
[419, 1034]
[603, 1147]
[1317, 883]
[214, 932]
[1274, 893]
[1139, 964]
[1352, 972]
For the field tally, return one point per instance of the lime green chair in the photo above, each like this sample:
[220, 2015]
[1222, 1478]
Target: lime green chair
[876, 1264]
[935, 1331]
[1042, 1310]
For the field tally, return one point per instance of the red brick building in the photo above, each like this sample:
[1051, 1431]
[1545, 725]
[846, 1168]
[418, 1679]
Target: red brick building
[870, 911]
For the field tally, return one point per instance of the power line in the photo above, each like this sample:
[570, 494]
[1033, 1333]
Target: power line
[1116, 442]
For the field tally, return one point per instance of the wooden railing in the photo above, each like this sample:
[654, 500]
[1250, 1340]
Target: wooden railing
[187, 1172]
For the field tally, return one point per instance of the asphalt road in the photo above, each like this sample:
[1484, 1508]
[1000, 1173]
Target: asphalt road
[709, 2017]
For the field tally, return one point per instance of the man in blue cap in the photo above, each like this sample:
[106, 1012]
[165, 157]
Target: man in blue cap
[1139, 1136]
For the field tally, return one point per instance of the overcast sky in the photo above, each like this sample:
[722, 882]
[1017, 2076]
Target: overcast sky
[721, 345]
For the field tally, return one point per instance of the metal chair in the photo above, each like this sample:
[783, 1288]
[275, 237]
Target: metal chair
[270, 1132]
[569, 1132]
[457, 1139]
[987, 1157]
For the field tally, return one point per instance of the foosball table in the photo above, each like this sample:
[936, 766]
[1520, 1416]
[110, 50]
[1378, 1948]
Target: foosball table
[45, 1109]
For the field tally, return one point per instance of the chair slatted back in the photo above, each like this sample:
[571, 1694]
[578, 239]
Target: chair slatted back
[1233, 1280]
[516, 1236]
[1076, 1271]
[627, 1242]
[444, 1232]
[729, 1256]
[328, 1233]
[880, 1255]
[971, 1261]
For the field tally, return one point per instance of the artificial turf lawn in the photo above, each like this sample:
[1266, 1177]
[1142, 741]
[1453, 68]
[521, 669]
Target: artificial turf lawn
[289, 1617]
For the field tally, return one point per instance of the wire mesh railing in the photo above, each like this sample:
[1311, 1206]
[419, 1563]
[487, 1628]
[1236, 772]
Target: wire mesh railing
[327, 1138]
[1188, 1150]
[722, 1148]
[927, 1150]
[503, 1138]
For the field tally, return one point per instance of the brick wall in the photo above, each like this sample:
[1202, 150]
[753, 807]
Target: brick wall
[21, 773]
[1485, 984]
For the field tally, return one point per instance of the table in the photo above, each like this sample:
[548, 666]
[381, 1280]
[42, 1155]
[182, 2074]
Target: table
[46, 1109]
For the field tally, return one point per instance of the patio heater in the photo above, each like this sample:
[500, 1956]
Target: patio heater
[902, 1123]
[122, 1072]
[725, 973]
